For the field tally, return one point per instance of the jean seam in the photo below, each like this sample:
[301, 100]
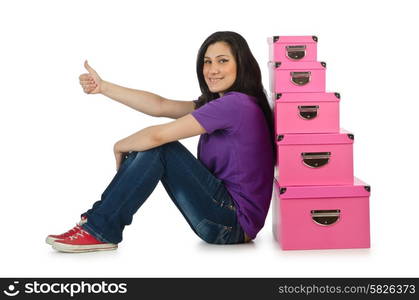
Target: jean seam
[180, 208]
[223, 229]
[196, 179]
[133, 190]
[117, 180]
[221, 204]
[95, 234]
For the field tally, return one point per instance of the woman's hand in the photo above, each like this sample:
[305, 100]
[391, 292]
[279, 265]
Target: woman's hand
[90, 82]
[119, 154]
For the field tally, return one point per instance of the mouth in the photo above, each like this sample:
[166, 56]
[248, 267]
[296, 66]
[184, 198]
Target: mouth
[214, 80]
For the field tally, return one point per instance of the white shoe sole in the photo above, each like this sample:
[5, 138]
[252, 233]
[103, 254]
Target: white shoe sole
[50, 240]
[84, 248]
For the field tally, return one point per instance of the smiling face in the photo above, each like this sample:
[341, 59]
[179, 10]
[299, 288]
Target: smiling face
[220, 67]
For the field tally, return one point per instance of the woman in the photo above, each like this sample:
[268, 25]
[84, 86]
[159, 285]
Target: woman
[224, 195]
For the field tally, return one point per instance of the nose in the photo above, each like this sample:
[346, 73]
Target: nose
[213, 69]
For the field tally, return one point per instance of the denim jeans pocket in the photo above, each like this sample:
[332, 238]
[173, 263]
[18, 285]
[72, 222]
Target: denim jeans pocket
[222, 198]
[213, 233]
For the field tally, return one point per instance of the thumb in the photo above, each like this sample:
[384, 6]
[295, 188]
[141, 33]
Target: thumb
[89, 68]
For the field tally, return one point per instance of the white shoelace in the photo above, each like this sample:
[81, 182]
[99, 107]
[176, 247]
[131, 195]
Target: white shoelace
[78, 234]
[74, 229]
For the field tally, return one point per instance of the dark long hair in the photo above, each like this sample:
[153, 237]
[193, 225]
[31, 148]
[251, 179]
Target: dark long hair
[248, 79]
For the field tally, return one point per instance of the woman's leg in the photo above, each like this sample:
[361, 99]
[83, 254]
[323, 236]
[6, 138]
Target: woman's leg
[201, 197]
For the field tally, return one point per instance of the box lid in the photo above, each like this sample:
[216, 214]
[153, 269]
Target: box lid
[302, 39]
[358, 189]
[289, 65]
[305, 97]
[342, 137]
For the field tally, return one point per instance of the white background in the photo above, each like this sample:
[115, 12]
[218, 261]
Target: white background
[56, 141]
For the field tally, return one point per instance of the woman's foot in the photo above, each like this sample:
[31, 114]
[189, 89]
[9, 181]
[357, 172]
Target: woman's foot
[82, 241]
[52, 238]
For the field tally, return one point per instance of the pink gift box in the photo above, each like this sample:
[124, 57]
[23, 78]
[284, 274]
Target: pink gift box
[306, 112]
[315, 158]
[297, 77]
[321, 217]
[292, 48]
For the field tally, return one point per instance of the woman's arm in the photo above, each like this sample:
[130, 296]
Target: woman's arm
[146, 102]
[155, 136]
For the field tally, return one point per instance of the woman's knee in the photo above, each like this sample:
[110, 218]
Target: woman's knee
[158, 149]
[139, 157]
[171, 145]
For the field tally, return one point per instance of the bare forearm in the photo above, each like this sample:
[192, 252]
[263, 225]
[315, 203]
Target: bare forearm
[142, 101]
[142, 140]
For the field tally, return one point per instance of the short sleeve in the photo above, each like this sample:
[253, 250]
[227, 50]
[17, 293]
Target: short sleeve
[218, 114]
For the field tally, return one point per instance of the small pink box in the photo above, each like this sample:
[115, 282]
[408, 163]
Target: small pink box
[301, 77]
[306, 112]
[315, 158]
[293, 48]
[321, 217]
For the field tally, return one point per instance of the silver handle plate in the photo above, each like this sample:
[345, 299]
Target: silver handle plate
[296, 52]
[300, 78]
[315, 159]
[325, 217]
[308, 112]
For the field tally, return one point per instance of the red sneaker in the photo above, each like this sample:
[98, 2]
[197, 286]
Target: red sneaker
[82, 241]
[52, 238]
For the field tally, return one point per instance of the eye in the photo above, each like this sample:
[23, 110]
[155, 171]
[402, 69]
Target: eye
[207, 61]
[223, 60]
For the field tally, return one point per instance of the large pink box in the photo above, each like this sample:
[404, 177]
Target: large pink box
[321, 217]
[306, 112]
[293, 48]
[315, 158]
[297, 77]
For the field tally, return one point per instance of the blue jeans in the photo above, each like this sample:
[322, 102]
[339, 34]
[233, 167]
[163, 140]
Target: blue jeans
[199, 195]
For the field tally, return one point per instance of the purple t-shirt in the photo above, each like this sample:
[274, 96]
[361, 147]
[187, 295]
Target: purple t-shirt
[236, 148]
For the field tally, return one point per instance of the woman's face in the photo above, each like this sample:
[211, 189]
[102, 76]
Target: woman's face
[220, 67]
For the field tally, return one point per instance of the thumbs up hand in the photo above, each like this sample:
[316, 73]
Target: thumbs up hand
[90, 82]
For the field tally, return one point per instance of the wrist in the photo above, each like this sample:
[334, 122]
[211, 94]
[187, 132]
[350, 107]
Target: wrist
[104, 87]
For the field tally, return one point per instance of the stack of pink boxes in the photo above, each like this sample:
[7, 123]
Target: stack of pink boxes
[318, 203]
